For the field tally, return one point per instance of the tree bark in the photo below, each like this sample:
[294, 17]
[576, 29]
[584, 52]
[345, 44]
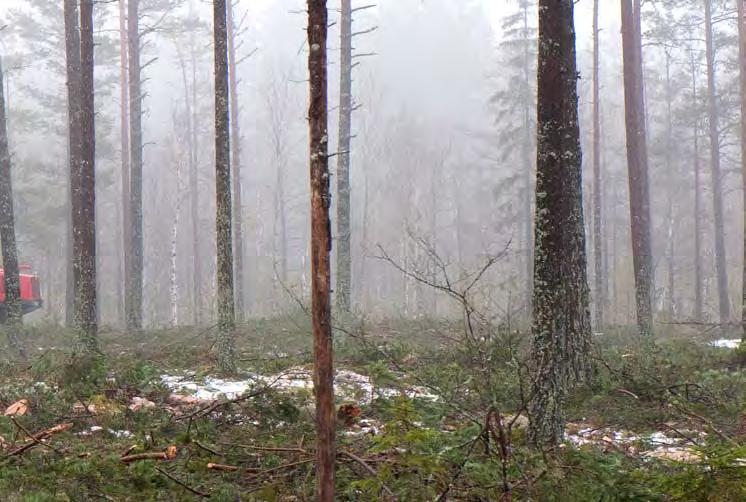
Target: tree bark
[698, 281]
[742, 59]
[344, 250]
[13, 310]
[320, 249]
[238, 247]
[125, 157]
[194, 185]
[83, 183]
[72, 51]
[134, 276]
[717, 183]
[561, 327]
[637, 165]
[599, 290]
[223, 225]
[670, 258]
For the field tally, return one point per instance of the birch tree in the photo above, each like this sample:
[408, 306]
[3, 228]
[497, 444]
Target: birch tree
[561, 326]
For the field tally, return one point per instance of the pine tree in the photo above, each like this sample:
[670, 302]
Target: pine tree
[561, 326]
[226, 307]
[637, 161]
[12, 315]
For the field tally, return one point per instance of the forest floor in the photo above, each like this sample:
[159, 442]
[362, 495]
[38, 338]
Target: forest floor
[425, 413]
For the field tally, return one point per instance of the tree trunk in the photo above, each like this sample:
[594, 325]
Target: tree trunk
[670, 252]
[226, 313]
[344, 250]
[561, 326]
[194, 186]
[527, 169]
[83, 183]
[742, 59]
[599, 296]
[321, 244]
[134, 277]
[238, 249]
[72, 51]
[125, 146]
[698, 281]
[13, 309]
[717, 182]
[637, 164]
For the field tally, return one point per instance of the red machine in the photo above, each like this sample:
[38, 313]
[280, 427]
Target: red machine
[30, 291]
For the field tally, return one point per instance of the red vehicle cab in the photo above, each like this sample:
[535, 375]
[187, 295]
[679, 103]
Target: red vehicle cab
[30, 291]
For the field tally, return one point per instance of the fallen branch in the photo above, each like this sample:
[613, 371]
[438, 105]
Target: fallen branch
[182, 484]
[150, 455]
[370, 469]
[222, 467]
[38, 438]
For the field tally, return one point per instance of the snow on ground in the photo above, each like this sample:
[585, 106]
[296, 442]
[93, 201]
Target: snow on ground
[349, 385]
[725, 343]
[656, 445]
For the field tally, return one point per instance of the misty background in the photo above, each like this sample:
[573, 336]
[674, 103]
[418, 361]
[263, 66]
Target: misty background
[442, 153]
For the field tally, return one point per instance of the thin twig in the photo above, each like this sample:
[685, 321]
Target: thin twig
[182, 484]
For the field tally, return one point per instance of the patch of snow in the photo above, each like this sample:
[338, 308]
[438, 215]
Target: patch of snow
[725, 343]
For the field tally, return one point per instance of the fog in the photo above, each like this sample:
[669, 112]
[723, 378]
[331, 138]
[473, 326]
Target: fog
[436, 156]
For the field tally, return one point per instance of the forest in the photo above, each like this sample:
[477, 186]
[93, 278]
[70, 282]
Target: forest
[363, 250]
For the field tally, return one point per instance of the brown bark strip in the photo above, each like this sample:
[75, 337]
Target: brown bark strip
[323, 377]
[637, 162]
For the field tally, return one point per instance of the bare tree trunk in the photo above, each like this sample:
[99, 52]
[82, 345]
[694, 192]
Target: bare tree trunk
[561, 326]
[83, 183]
[698, 281]
[13, 315]
[742, 59]
[599, 296]
[344, 250]
[717, 184]
[135, 275]
[528, 167]
[238, 249]
[194, 186]
[125, 146]
[72, 50]
[637, 162]
[671, 258]
[226, 314]
[281, 221]
[320, 249]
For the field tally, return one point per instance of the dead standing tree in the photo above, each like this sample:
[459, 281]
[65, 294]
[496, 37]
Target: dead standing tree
[12, 317]
[223, 225]
[346, 107]
[561, 328]
[637, 162]
[320, 249]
